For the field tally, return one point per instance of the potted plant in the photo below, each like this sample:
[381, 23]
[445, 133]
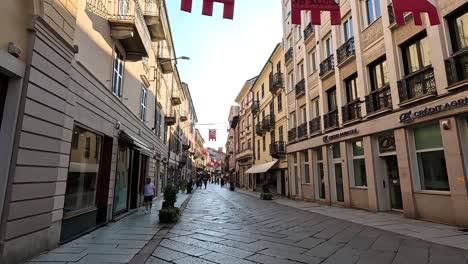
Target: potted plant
[169, 213]
[266, 194]
[183, 185]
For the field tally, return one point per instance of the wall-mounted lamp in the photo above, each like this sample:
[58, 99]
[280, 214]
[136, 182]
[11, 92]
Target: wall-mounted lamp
[165, 61]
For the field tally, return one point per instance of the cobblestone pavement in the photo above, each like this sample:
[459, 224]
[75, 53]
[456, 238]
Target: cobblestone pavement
[117, 242]
[219, 226]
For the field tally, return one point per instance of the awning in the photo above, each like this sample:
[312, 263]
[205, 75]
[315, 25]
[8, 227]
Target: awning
[261, 168]
[138, 144]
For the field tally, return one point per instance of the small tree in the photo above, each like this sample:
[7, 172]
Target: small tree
[170, 196]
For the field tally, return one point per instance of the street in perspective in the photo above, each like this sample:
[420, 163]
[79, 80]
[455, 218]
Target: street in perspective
[223, 131]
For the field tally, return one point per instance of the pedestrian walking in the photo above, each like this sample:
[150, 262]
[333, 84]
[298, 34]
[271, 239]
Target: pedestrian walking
[149, 191]
[205, 182]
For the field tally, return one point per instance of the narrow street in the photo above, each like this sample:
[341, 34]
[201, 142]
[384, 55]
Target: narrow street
[219, 226]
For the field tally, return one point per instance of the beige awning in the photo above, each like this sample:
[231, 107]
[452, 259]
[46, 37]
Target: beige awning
[261, 168]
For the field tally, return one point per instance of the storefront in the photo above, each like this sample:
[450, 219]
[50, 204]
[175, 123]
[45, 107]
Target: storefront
[131, 172]
[261, 175]
[413, 161]
[85, 205]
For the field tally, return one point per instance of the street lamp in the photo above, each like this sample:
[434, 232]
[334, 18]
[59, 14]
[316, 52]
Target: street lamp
[165, 61]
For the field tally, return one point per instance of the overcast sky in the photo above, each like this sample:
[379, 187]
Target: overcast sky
[223, 54]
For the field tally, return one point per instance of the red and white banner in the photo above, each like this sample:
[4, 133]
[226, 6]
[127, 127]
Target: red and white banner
[315, 7]
[220, 150]
[228, 12]
[212, 135]
[401, 7]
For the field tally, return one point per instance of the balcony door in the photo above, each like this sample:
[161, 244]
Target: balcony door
[331, 100]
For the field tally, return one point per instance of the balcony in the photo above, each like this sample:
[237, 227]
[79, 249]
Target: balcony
[330, 119]
[170, 120]
[154, 21]
[268, 123]
[183, 160]
[278, 149]
[417, 85]
[457, 67]
[327, 66]
[186, 146]
[259, 129]
[276, 82]
[351, 111]
[292, 135]
[165, 60]
[255, 108]
[175, 100]
[379, 100]
[315, 125]
[308, 31]
[244, 154]
[300, 88]
[288, 56]
[346, 51]
[127, 25]
[302, 131]
[183, 118]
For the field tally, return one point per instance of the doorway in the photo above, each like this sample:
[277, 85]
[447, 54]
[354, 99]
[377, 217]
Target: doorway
[283, 183]
[393, 179]
[336, 174]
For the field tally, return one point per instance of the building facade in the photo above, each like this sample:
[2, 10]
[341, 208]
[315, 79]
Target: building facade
[245, 151]
[269, 117]
[377, 112]
[87, 101]
[232, 145]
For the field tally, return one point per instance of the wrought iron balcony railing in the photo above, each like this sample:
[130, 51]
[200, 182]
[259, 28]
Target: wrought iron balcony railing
[327, 66]
[170, 120]
[417, 85]
[292, 135]
[278, 149]
[259, 129]
[300, 88]
[308, 31]
[379, 100]
[302, 131]
[351, 111]
[255, 108]
[346, 50]
[268, 123]
[276, 82]
[330, 119]
[288, 56]
[457, 67]
[315, 125]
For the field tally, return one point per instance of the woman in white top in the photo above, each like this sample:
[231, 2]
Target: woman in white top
[149, 191]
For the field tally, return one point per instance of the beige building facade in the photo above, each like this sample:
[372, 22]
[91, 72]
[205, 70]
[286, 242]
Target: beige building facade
[377, 112]
[88, 100]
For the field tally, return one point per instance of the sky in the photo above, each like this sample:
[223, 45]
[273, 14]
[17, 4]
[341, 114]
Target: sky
[223, 54]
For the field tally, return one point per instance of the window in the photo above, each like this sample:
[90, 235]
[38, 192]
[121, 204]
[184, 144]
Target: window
[314, 105]
[416, 55]
[280, 134]
[258, 149]
[298, 32]
[117, 78]
[331, 97]
[304, 115]
[258, 95]
[348, 29]
[351, 88]
[263, 90]
[143, 103]
[83, 172]
[293, 120]
[249, 144]
[291, 81]
[264, 143]
[312, 61]
[290, 42]
[378, 74]
[372, 8]
[280, 103]
[359, 164]
[329, 46]
[305, 168]
[336, 151]
[458, 25]
[320, 173]
[301, 71]
[431, 158]
[278, 67]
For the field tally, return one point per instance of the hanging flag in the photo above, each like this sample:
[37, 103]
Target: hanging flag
[228, 12]
[220, 150]
[400, 7]
[212, 135]
[315, 8]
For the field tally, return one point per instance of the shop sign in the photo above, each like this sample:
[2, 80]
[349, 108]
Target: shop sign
[412, 115]
[332, 137]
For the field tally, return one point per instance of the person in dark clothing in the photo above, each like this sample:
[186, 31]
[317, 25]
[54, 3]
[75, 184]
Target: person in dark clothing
[205, 182]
